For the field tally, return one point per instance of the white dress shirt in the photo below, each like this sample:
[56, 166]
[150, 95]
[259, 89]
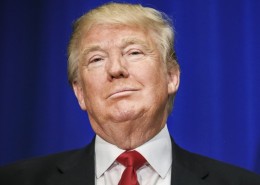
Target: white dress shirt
[157, 152]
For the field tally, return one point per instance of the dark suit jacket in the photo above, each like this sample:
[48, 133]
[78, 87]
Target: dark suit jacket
[77, 168]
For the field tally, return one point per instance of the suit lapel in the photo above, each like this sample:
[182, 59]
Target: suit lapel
[77, 169]
[186, 171]
[182, 176]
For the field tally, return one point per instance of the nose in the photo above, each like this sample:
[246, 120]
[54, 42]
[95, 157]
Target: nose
[116, 68]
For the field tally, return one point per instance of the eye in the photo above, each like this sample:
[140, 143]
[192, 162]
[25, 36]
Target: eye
[95, 60]
[135, 52]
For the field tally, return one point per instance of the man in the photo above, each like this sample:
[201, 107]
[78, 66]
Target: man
[124, 73]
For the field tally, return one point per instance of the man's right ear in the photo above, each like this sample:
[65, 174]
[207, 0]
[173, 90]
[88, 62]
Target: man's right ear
[79, 93]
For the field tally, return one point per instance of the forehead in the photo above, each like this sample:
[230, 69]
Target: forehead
[116, 34]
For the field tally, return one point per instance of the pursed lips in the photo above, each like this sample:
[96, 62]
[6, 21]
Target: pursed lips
[122, 91]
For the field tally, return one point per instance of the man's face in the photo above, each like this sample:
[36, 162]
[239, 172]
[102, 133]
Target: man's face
[124, 84]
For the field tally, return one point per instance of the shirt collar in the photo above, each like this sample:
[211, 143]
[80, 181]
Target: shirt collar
[157, 148]
[105, 155]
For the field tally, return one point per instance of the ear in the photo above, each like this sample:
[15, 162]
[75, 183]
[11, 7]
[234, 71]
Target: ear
[78, 91]
[173, 80]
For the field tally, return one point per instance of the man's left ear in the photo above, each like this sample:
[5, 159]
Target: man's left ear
[173, 80]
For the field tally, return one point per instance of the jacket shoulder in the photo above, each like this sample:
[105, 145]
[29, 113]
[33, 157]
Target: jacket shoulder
[37, 170]
[217, 172]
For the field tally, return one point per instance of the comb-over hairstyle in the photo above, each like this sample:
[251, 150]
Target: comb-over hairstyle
[155, 22]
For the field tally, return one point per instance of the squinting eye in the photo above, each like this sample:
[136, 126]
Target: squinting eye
[96, 60]
[135, 52]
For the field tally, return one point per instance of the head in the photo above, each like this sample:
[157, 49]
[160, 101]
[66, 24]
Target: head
[118, 26]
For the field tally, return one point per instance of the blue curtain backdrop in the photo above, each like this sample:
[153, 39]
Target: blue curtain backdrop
[217, 108]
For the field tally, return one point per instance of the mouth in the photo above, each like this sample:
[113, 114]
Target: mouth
[122, 92]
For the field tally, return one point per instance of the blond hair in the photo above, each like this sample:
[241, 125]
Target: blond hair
[124, 14]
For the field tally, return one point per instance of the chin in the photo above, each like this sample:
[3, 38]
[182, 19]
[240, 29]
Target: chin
[123, 117]
[125, 114]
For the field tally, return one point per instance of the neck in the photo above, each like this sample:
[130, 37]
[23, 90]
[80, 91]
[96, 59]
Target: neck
[131, 134]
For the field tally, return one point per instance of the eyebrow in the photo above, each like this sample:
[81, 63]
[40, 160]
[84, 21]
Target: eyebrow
[124, 43]
[90, 49]
[132, 40]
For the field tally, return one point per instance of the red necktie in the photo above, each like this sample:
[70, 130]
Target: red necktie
[132, 160]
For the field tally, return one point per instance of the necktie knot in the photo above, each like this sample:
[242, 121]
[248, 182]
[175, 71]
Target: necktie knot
[132, 160]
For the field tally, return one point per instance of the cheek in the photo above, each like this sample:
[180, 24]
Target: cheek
[93, 82]
[89, 89]
[156, 76]
[92, 97]
[154, 80]
[92, 90]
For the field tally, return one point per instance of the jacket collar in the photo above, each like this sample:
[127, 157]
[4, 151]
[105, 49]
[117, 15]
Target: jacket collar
[186, 170]
[79, 168]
